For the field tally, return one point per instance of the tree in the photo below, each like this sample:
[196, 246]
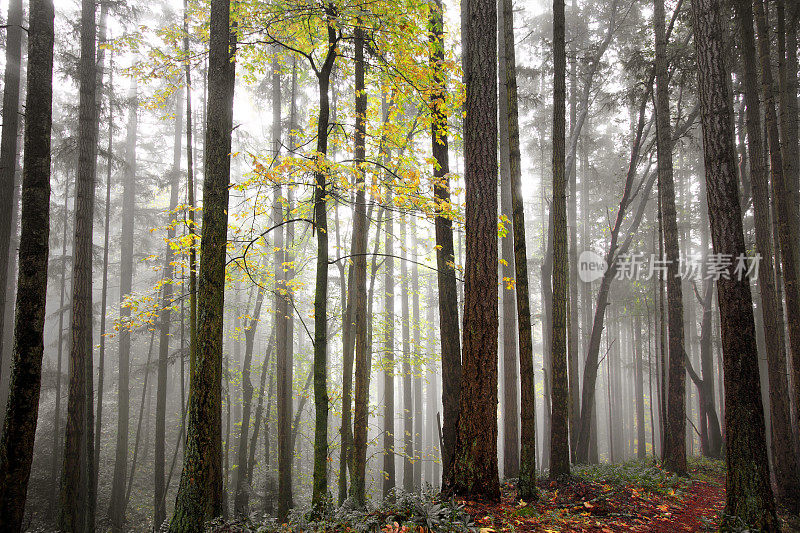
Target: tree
[8, 147]
[116, 510]
[408, 402]
[360, 231]
[200, 490]
[785, 461]
[241, 493]
[283, 374]
[76, 502]
[559, 427]
[748, 495]
[473, 471]
[19, 426]
[510, 381]
[389, 475]
[159, 512]
[508, 89]
[445, 254]
[101, 356]
[323, 73]
[674, 452]
[790, 124]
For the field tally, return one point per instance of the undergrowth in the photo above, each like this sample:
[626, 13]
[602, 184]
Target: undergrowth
[402, 512]
[644, 473]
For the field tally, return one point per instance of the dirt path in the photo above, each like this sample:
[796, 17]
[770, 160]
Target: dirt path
[697, 512]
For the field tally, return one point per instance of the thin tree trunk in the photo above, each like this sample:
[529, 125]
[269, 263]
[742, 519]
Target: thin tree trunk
[190, 190]
[159, 512]
[510, 401]
[527, 459]
[674, 453]
[748, 495]
[408, 421]
[445, 254]
[54, 471]
[244, 468]
[388, 363]
[137, 438]
[360, 236]
[98, 428]
[559, 430]
[416, 357]
[259, 408]
[320, 484]
[19, 426]
[200, 491]
[283, 374]
[117, 506]
[641, 444]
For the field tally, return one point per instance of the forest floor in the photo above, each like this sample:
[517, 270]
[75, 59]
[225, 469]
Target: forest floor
[636, 496]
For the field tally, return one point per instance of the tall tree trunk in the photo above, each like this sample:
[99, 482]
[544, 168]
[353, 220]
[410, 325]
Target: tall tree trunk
[527, 459]
[473, 471]
[785, 462]
[408, 405]
[257, 418]
[674, 453]
[54, 471]
[785, 217]
[320, 485]
[559, 430]
[241, 491]
[101, 356]
[432, 464]
[445, 254]
[190, 192]
[76, 509]
[572, 227]
[416, 356]
[788, 69]
[510, 400]
[388, 364]
[200, 491]
[641, 444]
[159, 512]
[19, 426]
[748, 495]
[137, 438]
[9, 152]
[360, 230]
[117, 506]
[283, 374]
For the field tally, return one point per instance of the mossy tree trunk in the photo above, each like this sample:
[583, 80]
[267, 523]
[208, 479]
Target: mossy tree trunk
[19, 426]
[200, 490]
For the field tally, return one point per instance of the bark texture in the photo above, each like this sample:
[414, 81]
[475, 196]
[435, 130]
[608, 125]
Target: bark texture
[785, 461]
[76, 502]
[559, 427]
[19, 426]
[473, 472]
[749, 496]
[674, 452]
[200, 490]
